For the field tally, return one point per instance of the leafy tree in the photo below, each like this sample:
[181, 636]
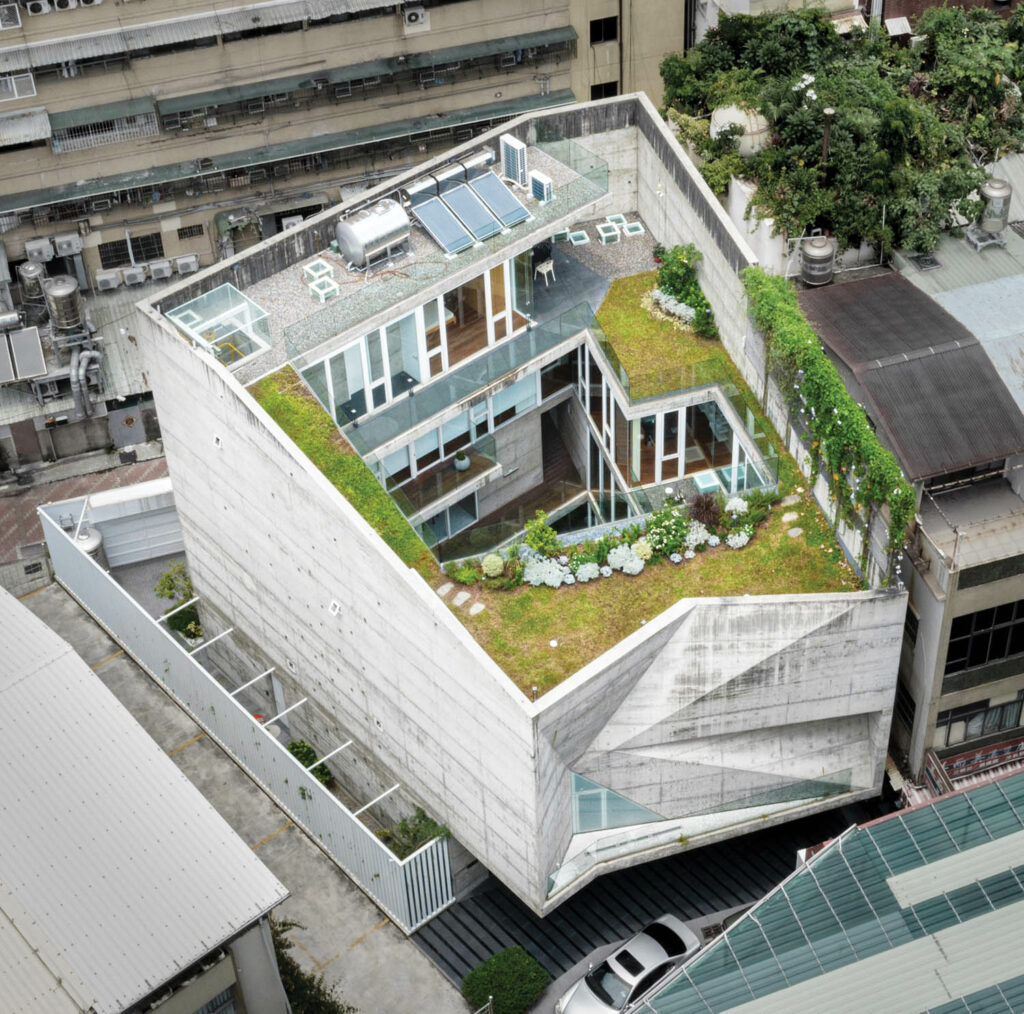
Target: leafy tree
[307, 993]
[412, 832]
[511, 976]
[176, 585]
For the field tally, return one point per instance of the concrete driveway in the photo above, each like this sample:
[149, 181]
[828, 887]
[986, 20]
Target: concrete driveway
[346, 937]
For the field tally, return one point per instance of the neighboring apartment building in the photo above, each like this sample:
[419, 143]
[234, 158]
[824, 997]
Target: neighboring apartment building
[145, 139]
[470, 331]
[122, 890]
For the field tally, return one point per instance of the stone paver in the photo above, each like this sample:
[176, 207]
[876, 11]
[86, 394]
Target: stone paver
[445, 588]
[790, 516]
[461, 599]
[476, 607]
[794, 532]
[788, 501]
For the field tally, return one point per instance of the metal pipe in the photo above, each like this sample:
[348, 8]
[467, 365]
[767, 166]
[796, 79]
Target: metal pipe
[76, 390]
[377, 800]
[177, 609]
[281, 714]
[84, 359]
[206, 644]
[255, 679]
[328, 756]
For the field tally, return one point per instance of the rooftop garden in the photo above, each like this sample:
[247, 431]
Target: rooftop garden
[541, 630]
[867, 140]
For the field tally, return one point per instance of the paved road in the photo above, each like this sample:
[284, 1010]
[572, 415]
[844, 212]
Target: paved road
[346, 937]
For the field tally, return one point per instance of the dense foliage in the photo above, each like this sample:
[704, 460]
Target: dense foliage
[862, 472]
[910, 130]
[306, 755]
[511, 976]
[176, 585]
[412, 832]
[307, 993]
[677, 277]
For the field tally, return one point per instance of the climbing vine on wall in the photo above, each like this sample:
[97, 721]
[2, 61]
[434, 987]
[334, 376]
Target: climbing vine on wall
[862, 472]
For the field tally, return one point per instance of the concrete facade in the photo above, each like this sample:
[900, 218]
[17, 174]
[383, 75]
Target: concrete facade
[716, 714]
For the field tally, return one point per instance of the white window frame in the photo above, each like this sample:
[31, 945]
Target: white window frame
[13, 83]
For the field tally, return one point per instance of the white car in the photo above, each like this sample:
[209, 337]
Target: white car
[632, 969]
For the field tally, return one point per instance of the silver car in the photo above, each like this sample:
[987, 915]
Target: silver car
[631, 970]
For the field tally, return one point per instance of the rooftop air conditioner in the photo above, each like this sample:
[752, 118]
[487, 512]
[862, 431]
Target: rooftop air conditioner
[10, 16]
[65, 5]
[106, 280]
[89, 3]
[38, 6]
[540, 186]
[39, 249]
[188, 264]
[68, 244]
[417, 18]
[135, 275]
[161, 269]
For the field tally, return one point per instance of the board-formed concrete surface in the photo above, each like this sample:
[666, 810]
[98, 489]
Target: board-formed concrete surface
[345, 936]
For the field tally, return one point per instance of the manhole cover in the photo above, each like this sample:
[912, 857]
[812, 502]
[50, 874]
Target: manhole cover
[926, 262]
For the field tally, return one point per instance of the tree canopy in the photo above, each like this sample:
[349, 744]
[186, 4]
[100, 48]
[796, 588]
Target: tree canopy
[911, 129]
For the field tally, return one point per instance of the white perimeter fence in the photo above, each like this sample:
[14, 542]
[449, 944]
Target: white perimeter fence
[411, 891]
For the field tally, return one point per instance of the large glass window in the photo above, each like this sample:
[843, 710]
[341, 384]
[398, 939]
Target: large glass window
[347, 381]
[988, 635]
[514, 400]
[708, 437]
[975, 720]
[316, 378]
[454, 519]
[403, 354]
[594, 808]
[466, 319]
[499, 305]
[522, 285]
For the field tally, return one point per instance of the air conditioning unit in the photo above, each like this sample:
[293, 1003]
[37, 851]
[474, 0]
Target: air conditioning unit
[89, 3]
[416, 18]
[540, 186]
[68, 244]
[65, 5]
[10, 16]
[106, 280]
[513, 159]
[160, 269]
[39, 249]
[38, 7]
[188, 264]
[135, 275]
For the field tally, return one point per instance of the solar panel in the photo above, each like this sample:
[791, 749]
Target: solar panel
[502, 202]
[27, 353]
[445, 229]
[473, 212]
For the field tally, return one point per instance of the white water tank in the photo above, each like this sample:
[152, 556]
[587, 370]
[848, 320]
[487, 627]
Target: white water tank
[90, 542]
[755, 127]
[372, 231]
[996, 212]
[31, 275]
[817, 260]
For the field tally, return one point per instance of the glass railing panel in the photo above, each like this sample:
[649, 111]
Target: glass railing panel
[438, 481]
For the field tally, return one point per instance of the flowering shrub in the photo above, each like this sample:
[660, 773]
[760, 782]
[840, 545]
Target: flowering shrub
[675, 558]
[666, 530]
[606, 571]
[549, 572]
[738, 539]
[697, 535]
[737, 505]
[541, 536]
[492, 565]
[714, 540]
[568, 579]
[643, 549]
[587, 572]
[689, 554]
[633, 565]
[619, 556]
[676, 307]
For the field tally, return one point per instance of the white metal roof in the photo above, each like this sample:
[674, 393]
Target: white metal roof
[24, 126]
[115, 872]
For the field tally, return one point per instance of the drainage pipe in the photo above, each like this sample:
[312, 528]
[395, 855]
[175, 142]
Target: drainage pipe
[76, 388]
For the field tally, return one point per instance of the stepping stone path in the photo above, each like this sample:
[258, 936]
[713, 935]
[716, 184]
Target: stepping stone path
[788, 501]
[790, 516]
[476, 607]
[794, 532]
[461, 599]
[444, 589]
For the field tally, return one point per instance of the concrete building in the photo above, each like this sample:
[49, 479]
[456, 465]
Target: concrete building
[123, 890]
[715, 716]
[914, 912]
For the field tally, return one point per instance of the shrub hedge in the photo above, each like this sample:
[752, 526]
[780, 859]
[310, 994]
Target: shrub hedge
[511, 976]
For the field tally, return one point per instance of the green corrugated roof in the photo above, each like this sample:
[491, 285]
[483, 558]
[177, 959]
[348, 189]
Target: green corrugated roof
[97, 114]
[371, 68]
[275, 152]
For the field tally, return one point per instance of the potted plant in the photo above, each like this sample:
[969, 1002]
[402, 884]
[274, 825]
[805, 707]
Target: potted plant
[461, 461]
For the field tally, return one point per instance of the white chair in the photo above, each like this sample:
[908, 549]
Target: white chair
[545, 268]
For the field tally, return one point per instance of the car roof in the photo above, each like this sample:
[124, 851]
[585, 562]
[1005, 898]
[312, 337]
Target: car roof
[641, 953]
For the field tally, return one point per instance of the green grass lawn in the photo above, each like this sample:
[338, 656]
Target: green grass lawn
[289, 403]
[658, 355]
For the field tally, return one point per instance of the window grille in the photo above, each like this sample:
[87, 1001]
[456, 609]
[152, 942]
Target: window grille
[94, 135]
[190, 232]
[16, 86]
[144, 248]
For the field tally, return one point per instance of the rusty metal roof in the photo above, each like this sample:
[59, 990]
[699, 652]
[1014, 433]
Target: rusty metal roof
[925, 379]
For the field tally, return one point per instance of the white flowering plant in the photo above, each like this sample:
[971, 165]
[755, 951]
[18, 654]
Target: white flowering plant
[643, 549]
[697, 535]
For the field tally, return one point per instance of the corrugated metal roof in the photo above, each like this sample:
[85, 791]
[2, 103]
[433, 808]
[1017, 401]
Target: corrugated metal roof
[23, 126]
[116, 873]
[97, 114]
[835, 936]
[927, 380]
[169, 32]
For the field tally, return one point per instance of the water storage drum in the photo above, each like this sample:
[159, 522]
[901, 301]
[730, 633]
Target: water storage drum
[63, 301]
[31, 275]
[90, 542]
[372, 231]
[817, 260]
[996, 195]
[755, 128]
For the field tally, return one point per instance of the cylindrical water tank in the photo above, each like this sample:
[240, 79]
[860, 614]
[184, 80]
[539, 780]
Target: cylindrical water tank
[9, 319]
[996, 212]
[63, 301]
[90, 542]
[371, 231]
[31, 275]
[817, 260]
[756, 131]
